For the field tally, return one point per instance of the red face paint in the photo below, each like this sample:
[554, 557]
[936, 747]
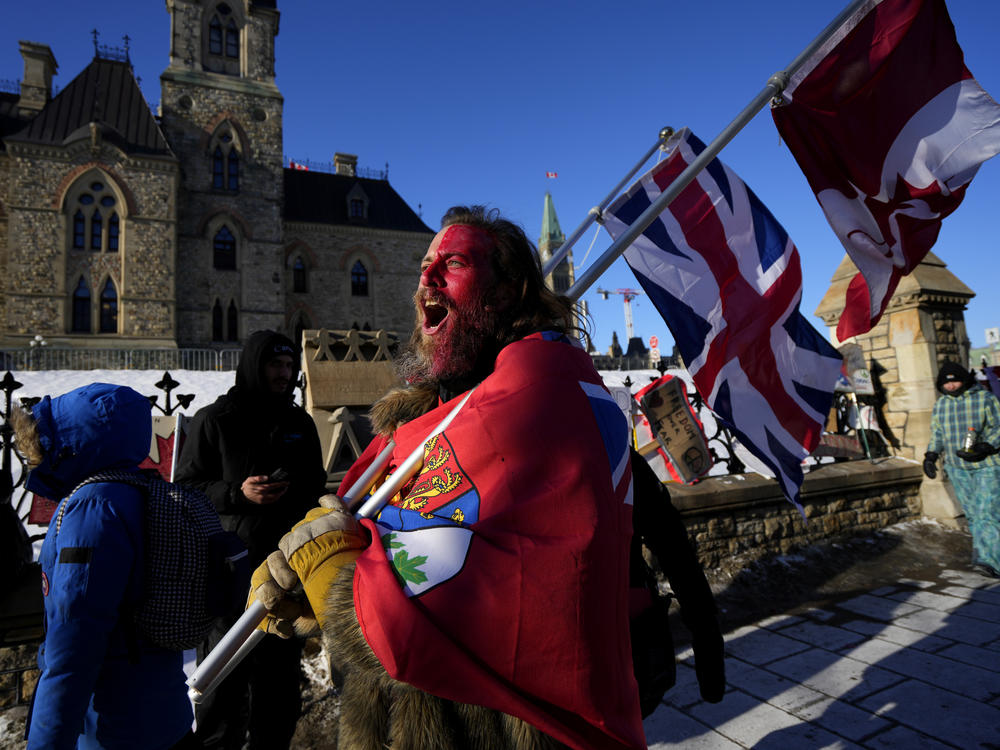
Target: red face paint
[456, 278]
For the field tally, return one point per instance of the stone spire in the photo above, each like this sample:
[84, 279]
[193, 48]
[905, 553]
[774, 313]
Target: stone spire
[551, 239]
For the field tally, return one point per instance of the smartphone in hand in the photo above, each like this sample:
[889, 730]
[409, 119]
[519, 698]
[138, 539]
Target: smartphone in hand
[279, 475]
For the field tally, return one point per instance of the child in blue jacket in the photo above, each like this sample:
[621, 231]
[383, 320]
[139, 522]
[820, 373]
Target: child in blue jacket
[102, 685]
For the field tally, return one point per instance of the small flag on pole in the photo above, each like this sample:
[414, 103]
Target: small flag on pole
[296, 165]
[551, 175]
[889, 127]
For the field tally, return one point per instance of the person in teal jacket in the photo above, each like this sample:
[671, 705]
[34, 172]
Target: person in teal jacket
[965, 432]
[102, 685]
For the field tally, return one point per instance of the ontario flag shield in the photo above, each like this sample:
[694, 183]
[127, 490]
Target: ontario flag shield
[498, 575]
[726, 279]
[889, 127]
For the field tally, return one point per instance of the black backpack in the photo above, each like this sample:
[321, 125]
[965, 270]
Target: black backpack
[194, 571]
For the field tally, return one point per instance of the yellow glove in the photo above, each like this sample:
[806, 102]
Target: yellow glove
[307, 560]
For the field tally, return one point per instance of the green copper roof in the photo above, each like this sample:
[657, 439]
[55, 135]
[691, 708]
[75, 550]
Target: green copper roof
[552, 236]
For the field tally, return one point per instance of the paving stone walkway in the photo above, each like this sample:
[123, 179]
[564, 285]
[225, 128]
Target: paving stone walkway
[914, 665]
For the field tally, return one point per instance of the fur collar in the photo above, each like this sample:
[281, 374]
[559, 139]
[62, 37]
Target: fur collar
[401, 405]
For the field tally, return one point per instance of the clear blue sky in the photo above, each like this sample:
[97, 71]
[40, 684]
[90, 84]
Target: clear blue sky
[473, 102]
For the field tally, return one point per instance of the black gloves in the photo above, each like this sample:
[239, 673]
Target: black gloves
[978, 453]
[930, 461]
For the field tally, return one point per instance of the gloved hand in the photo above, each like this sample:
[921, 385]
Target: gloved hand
[309, 556]
[978, 453]
[930, 464]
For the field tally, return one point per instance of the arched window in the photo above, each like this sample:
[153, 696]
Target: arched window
[215, 36]
[109, 308]
[81, 308]
[232, 38]
[113, 231]
[359, 280]
[96, 224]
[224, 249]
[225, 160]
[96, 235]
[299, 276]
[222, 32]
[217, 321]
[232, 323]
[79, 229]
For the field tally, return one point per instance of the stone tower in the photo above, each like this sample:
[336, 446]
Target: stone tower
[551, 239]
[221, 113]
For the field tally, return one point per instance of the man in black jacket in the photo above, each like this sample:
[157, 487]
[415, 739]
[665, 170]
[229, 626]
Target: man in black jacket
[257, 455]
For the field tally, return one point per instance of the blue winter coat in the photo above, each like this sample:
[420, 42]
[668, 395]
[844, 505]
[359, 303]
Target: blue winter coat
[102, 685]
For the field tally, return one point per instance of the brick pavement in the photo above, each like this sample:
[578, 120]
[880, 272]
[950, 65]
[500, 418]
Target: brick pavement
[914, 664]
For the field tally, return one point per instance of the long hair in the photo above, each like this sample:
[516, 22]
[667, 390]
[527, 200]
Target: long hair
[516, 263]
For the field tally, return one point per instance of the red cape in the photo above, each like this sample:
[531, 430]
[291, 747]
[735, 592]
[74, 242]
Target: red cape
[498, 576]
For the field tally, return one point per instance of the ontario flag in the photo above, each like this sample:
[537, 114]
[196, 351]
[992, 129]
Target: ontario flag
[726, 278]
[889, 127]
[498, 576]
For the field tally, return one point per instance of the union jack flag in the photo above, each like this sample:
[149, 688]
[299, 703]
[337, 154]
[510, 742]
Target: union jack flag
[726, 278]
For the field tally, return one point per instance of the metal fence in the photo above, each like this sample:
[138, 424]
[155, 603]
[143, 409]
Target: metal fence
[55, 358]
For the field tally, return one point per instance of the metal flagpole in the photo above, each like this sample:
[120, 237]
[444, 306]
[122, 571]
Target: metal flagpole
[594, 214]
[240, 639]
[775, 85]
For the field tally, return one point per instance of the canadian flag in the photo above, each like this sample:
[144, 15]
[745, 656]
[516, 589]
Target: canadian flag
[889, 127]
[296, 165]
[551, 174]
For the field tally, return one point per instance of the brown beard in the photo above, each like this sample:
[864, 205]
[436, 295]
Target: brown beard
[469, 346]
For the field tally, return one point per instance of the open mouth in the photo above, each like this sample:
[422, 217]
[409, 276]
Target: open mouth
[435, 312]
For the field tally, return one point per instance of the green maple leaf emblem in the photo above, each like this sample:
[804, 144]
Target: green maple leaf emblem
[405, 568]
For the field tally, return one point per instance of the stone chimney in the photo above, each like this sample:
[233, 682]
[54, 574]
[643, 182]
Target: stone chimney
[345, 164]
[39, 67]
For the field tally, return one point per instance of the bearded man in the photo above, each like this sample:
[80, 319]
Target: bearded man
[486, 605]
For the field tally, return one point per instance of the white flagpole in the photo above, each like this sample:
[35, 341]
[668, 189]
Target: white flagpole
[240, 639]
[594, 214]
[775, 85]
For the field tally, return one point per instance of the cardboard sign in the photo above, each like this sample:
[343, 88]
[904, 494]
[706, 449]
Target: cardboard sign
[676, 428]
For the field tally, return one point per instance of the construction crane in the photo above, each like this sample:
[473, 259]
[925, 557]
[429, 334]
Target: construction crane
[627, 295]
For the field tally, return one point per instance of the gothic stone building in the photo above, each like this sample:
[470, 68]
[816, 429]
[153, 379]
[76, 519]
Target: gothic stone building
[124, 229]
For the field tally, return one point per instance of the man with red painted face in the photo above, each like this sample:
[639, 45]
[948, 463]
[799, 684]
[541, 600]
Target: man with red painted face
[486, 605]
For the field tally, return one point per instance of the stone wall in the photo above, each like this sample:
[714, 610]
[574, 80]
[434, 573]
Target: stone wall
[392, 259]
[735, 519]
[40, 270]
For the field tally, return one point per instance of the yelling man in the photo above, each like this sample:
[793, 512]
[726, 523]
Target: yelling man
[486, 604]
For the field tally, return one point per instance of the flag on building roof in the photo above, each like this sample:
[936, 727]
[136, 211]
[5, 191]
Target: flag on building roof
[726, 278]
[551, 174]
[889, 127]
[296, 165]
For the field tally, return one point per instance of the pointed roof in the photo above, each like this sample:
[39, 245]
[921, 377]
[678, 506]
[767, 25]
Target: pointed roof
[322, 198]
[107, 94]
[552, 236]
